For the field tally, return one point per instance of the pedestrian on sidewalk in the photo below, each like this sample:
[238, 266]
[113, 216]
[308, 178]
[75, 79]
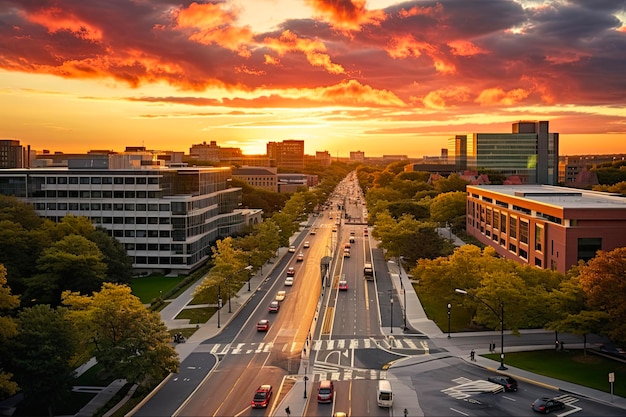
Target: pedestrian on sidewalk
[288, 411]
[473, 356]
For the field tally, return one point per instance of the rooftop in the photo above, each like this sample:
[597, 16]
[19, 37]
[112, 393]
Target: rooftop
[562, 197]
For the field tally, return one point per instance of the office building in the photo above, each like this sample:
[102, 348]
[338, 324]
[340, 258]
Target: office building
[286, 155]
[166, 218]
[12, 154]
[530, 152]
[571, 166]
[265, 178]
[546, 226]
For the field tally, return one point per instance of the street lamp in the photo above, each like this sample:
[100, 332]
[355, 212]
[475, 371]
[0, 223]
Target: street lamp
[391, 301]
[219, 305]
[249, 268]
[500, 317]
[306, 378]
[449, 306]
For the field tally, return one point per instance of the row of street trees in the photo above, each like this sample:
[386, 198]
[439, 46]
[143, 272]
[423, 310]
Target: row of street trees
[406, 207]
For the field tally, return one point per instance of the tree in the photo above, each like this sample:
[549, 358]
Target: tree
[73, 263]
[602, 279]
[227, 262]
[8, 330]
[126, 338]
[453, 183]
[448, 207]
[42, 353]
[582, 323]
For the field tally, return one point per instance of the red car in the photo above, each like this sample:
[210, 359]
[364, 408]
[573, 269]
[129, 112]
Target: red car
[291, 271]
[274, 307]
[262, 396]
[263, 325]
[343, 285]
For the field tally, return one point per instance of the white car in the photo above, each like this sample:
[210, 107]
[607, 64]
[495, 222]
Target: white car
[292, 249]
[306, 244]
[289, 281]
[280, 295]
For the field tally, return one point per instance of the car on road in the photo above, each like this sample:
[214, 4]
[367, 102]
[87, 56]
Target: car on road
[263, 325]
[343, 285]
[313, 231]
[291, 271]
[306, 244]
[325, 392]
[545, 405]
[292, 249]
[289, 281]
[262, 396]
[612, 350]
[509, 383]
[300, 257]
[274, 307]
[280, 295]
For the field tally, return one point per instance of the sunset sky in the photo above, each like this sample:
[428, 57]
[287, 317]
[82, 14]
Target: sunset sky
[379, 76]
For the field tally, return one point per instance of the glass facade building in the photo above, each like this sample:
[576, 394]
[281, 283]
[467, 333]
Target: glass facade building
[166, 218]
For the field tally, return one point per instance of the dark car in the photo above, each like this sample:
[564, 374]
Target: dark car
[291, 271]
[274, 307]
[545, 405]
[506, 381]
[613, 351]
[263, 325]
[262, 396]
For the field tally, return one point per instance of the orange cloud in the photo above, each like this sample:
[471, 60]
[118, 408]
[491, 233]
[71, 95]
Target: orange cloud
[213, 26]
[497, 96]
[441, 99]
[56, 19]
[416, 10]
[464, 48]
[347, 15]
[407, 46]
[353, 92]
[312, 49]
[270, 60]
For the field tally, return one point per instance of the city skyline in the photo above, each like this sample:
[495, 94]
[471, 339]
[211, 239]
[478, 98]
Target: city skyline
[383, 77]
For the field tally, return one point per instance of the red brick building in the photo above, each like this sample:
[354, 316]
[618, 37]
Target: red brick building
[546, 226]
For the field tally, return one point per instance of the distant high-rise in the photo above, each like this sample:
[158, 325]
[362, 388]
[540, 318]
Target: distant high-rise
[530, 152]
[11, 154]
[288, 154]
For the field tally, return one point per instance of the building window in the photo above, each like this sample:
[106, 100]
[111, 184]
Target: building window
[588, 247]
[496, 220]
[512, 248]
[503, 222]
[488, 221]
[523, 254]
[513, 228]
[84, 180]
[538, 238]
[523, 231]
[538, 262]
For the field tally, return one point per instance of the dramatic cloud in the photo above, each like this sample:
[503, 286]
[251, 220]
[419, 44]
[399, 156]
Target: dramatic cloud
[454, 58]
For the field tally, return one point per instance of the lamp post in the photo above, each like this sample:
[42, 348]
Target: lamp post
[391, 301]
[500, 317]
[306, 378]
[219, 305]
[228, 288]
[449, 306]
[249, 268]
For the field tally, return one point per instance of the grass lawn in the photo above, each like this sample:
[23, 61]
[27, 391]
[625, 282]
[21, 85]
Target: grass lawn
[151, 287]
[571, 365]
[197, 315]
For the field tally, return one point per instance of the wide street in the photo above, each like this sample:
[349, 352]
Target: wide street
[353, 337]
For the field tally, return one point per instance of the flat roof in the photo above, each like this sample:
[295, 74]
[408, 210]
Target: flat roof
[563, 197]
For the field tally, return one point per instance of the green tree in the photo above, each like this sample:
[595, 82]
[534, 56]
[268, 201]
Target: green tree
[127, 339]
[73, 263]
[8, 330]
[42, 353]
[228, 263]
[448, 207]
[583, 323]
[602, 279]
[452, 183]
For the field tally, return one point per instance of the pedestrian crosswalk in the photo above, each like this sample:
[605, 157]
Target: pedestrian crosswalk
[318, 345]
[336, 373]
